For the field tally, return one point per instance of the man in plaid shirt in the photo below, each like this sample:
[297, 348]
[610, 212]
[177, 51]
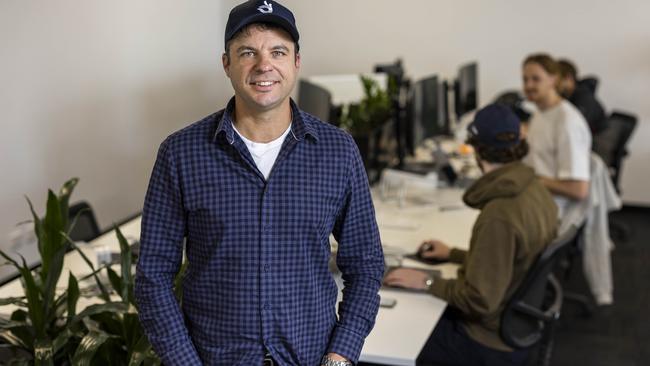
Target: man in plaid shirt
[256, 190]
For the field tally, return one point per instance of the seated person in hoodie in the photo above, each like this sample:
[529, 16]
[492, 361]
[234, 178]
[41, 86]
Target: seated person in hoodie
[518, 219]
[582, 94]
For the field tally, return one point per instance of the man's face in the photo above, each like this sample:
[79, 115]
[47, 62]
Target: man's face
[566, 86]
[262, 65]
[538, 83]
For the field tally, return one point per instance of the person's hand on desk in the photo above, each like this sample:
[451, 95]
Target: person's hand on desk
[408, 278]
[434, 249]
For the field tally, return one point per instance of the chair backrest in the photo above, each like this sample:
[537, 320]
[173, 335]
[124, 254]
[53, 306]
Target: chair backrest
[85, 227]
[538, 299]
[514, 100]
[611, 144]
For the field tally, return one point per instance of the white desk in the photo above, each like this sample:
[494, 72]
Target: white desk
[400, 332]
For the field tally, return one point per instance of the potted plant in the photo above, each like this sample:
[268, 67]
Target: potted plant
[364, 120]
[45, 329]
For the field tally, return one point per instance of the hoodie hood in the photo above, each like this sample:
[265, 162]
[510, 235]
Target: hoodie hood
[507, 181]
[590, 84]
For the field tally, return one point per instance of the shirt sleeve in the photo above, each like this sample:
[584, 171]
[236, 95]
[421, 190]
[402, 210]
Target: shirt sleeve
[486, 275]
[573, 148]
[457, 255]
[361, 261]
[161, 254]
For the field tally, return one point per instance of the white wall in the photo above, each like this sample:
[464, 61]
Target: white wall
[90, 88]
[608, 38]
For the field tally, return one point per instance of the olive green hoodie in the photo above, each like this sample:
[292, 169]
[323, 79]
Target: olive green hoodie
[518, 220]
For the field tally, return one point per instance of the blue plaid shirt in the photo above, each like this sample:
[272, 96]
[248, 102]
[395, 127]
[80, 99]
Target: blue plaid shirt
[258, 250]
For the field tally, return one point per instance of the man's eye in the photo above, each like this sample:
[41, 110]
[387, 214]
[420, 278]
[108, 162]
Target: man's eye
[247, 54]
[278, 53]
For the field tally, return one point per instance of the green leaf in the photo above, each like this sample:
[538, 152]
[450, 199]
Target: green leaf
[131, 329]
[17, 333]
[64, 198]
[110, 307]
[12, 338]
[73, 296]
[23, 336]
[10, 260]
[109, 322]
[32, 293]
[34, 303]
[8, 324]
[104, 294]
[91, 274]
[125, 262]
[141, 352]
[62, 339]
[38, 227]
[89, 345]
[115, 281]
[18, 301]
[59, 308]
[52, 278]
[53, 226]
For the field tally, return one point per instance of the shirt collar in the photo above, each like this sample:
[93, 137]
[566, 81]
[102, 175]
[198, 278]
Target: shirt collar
[301, 125]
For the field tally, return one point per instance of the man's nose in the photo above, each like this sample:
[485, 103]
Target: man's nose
[264, 64]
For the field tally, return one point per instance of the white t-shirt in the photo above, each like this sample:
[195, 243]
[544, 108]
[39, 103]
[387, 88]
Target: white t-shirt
[264, 154]
[560, 144]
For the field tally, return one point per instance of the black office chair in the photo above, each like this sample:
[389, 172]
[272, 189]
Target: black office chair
[569, 264]
[611, 146]
[530, 315]
[514, 100]
[85, 226]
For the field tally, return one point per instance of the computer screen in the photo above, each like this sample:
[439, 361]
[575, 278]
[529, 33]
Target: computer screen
[425, 113]
[315, 100]
[346, 88]
[466, 89]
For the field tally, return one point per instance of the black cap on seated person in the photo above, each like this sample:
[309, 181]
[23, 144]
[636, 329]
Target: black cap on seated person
[256, 11]
[495, 125]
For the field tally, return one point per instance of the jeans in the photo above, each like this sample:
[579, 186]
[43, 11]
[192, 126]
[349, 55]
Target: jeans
[449, 345]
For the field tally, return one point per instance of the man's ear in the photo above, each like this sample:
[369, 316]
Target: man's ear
[297, 60]
[225, 61]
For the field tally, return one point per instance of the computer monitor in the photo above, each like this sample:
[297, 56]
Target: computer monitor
[466, 89]
[315, 100]
[426, 113]
[346, 88]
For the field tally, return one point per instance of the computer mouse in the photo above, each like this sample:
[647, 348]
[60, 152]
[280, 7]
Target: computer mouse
[420, 258]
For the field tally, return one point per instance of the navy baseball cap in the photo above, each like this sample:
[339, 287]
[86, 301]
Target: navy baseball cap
[254, 11]
[495, 125]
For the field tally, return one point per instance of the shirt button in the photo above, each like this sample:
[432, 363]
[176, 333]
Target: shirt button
[267, 227]
[267, 267]
[267, 306]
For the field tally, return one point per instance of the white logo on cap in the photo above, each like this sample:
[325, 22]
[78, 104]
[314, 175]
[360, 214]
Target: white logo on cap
[266, 8]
